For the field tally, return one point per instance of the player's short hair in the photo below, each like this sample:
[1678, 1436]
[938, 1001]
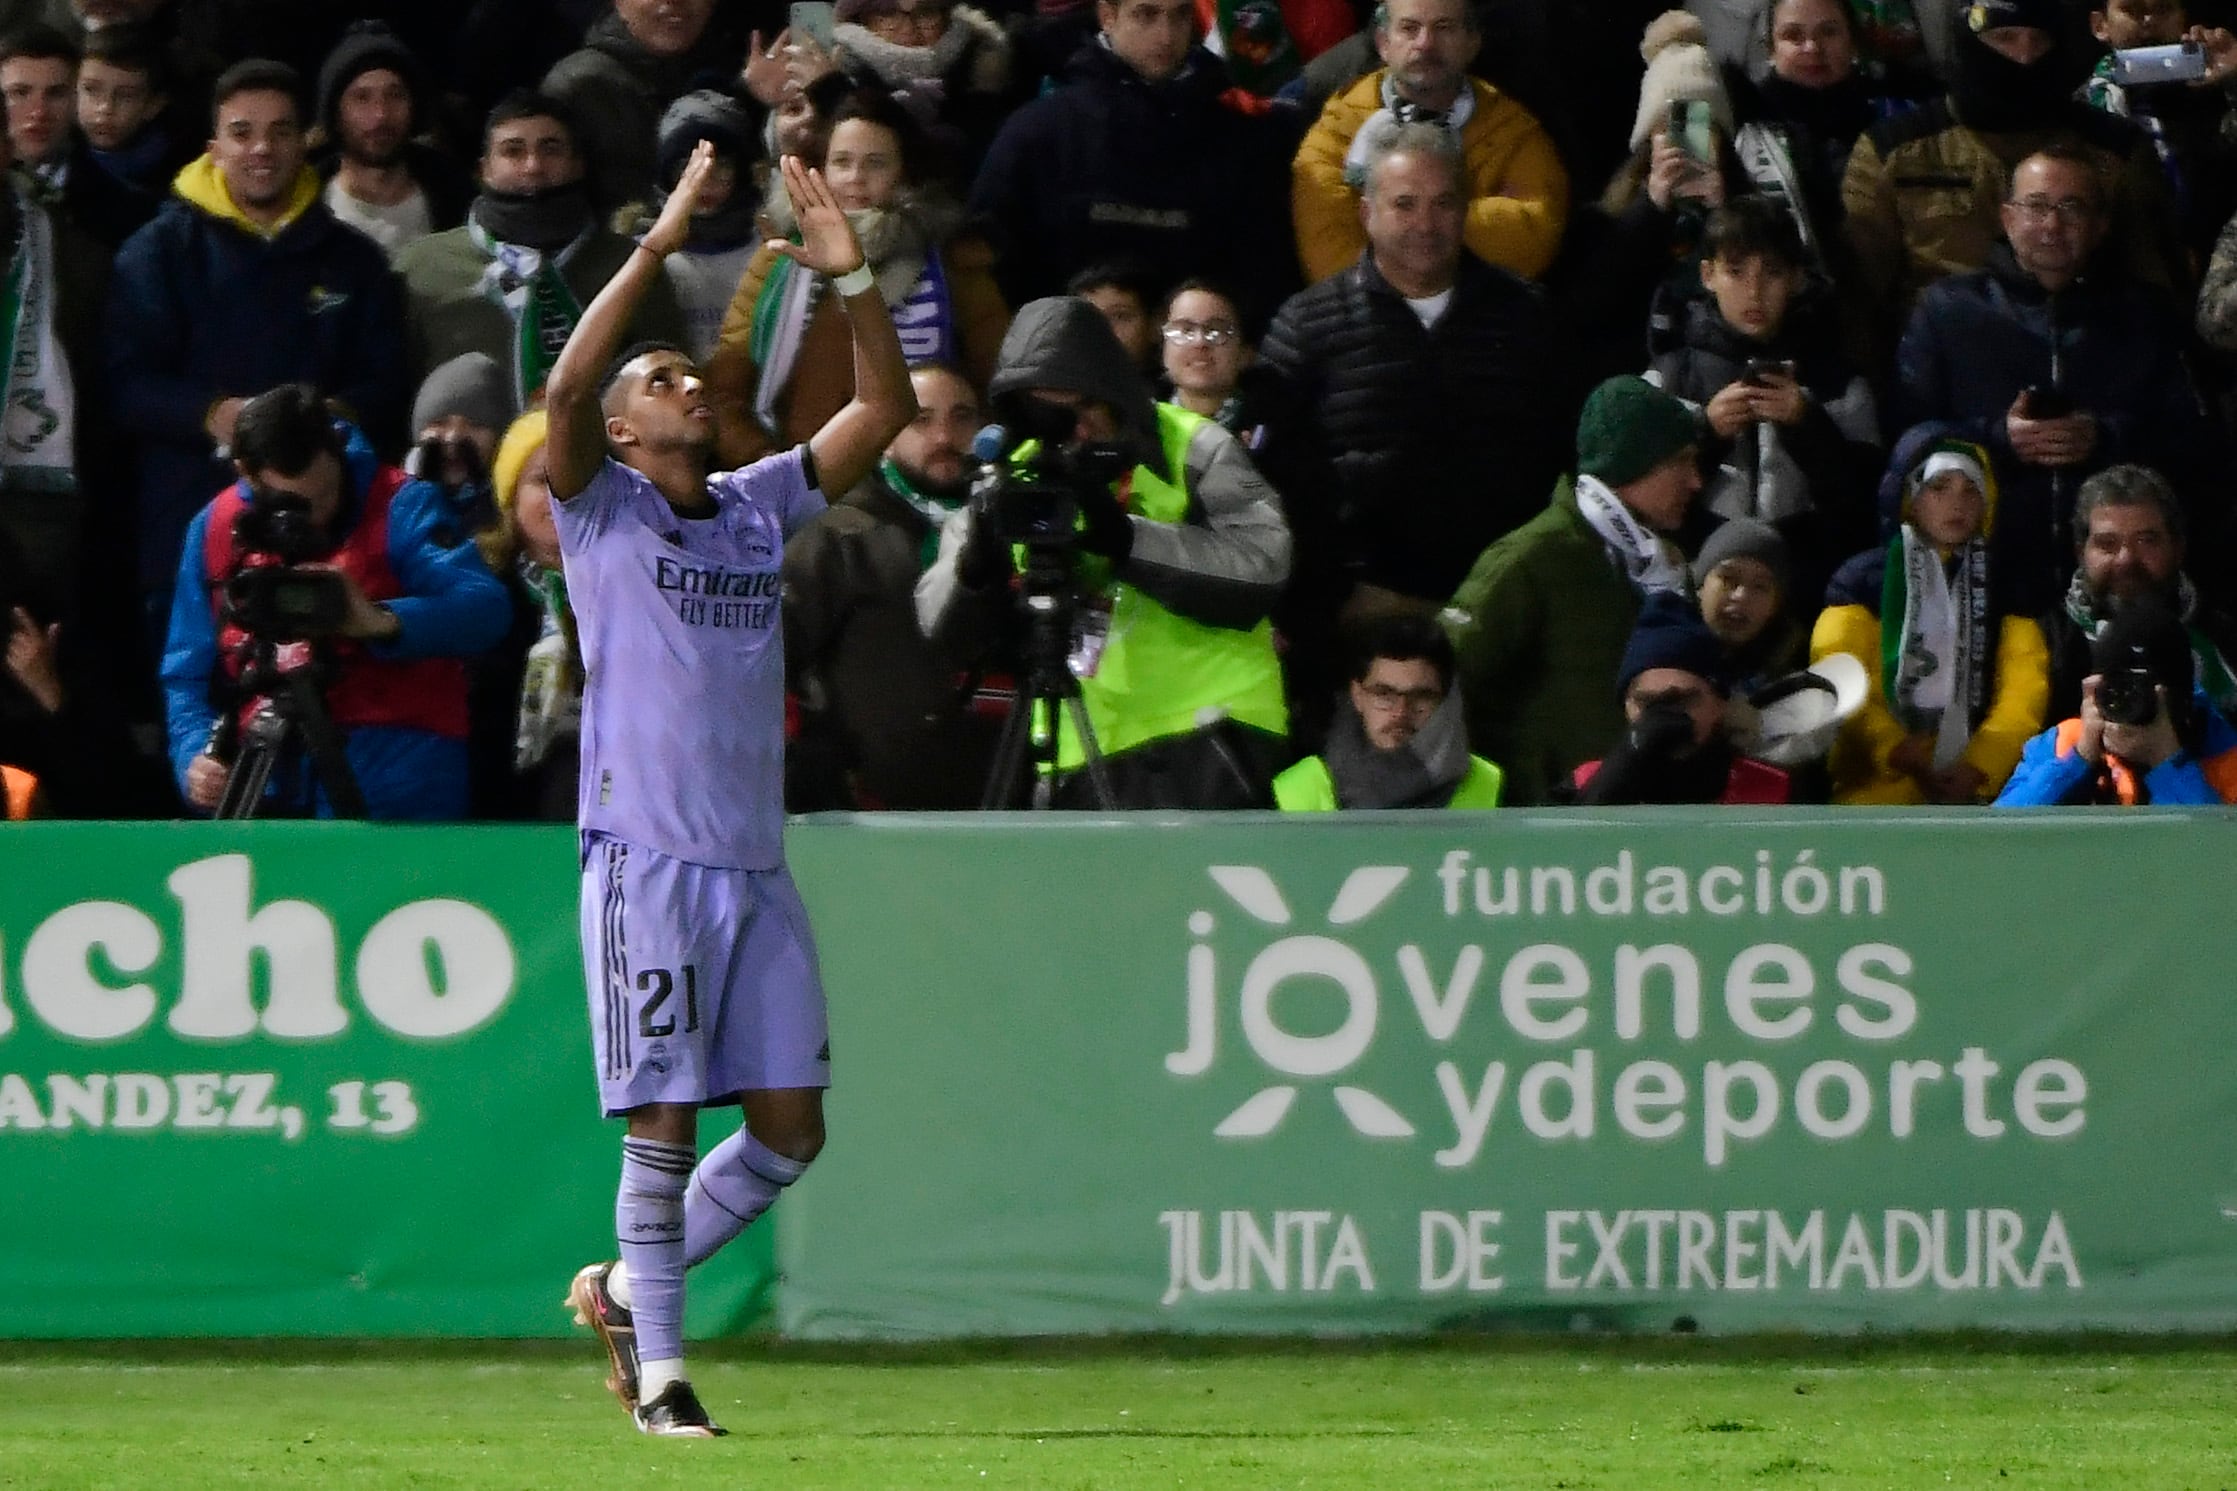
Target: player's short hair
[284, 429]
[527, 103]
[628, 355]
[256, 75]
[39, 42]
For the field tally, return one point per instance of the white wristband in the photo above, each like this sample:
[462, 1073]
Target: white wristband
[854, 281]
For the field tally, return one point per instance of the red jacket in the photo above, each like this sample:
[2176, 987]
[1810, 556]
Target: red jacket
[423, 693]
[1750, 784]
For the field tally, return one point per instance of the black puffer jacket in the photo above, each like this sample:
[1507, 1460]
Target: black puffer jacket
[1407, 449]
[1112, 167]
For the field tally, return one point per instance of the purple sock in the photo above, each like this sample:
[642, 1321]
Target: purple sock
[734, 1184]
[649, 1222]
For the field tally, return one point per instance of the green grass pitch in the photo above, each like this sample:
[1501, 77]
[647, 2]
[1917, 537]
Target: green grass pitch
[1551, 1413]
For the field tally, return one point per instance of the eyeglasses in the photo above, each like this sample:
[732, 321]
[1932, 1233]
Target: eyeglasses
[1383, 696]
[1210, 333]
[2068, 210]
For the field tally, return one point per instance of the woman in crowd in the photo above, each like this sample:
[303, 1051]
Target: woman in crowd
[785, 362]
[1209, 368]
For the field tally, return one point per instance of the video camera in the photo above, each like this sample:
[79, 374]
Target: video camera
[269, 594]
[1038, 503]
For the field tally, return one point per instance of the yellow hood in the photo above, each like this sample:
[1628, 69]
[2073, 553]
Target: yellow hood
[199, 183]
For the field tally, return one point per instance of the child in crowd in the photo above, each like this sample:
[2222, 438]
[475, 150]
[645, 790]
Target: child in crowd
[2186, 121]
[1791, 426]
[1208, 364]
[724, 235]
[1128, 300]
[1741, 584]
[123, 87]
[1958, 683]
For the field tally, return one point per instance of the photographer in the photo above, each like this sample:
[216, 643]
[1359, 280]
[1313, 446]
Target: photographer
[1179, 560]
[413, 597]
[1675, 749]
[2146, 733]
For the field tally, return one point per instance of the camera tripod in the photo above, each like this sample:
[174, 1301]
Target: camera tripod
[290, 711]
[1046, 689]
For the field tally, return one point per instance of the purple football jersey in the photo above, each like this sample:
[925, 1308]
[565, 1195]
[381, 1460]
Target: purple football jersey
[683, 703]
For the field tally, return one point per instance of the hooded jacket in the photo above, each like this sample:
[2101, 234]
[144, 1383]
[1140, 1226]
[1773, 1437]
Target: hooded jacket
[1852, 623]
[1111, 166]
[1210, 573]
[2112, 346]
[205, 305]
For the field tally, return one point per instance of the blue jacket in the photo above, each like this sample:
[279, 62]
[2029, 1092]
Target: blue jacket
[452, 606]
[203, 306]
[2052, 772]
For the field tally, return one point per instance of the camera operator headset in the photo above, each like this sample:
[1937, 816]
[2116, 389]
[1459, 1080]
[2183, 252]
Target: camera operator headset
[1181, 560]
[409, 599]
[2146, 733]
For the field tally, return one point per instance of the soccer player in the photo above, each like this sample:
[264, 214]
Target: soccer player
[701, 969]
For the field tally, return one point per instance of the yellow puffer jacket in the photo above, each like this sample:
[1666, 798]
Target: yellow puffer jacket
[1518, 193]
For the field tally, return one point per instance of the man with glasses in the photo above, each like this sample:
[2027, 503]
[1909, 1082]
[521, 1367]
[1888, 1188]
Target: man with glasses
[1399, 740]
[2055, 362]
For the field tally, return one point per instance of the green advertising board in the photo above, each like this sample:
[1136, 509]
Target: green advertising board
[1751, 1070]
[303, 1079]
[1748, 1070]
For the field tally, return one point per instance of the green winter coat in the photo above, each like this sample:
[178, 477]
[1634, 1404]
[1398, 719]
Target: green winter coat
[1538, 628]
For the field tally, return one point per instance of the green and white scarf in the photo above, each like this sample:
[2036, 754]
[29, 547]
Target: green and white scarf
[933, 509]
[527, 283]
[780, 321]
[38, 404]
[2209, 668]
[1935, 636]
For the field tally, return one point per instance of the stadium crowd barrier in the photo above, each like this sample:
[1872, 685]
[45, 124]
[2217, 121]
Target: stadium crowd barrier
[1729, 1070]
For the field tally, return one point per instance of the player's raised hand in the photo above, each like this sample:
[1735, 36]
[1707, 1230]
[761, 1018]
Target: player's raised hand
[673, 226]
[827, 242]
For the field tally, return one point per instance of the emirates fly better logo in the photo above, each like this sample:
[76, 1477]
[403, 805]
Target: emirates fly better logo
[1298, 957]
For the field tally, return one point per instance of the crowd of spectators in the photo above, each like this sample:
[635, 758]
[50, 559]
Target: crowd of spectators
[1519, 402]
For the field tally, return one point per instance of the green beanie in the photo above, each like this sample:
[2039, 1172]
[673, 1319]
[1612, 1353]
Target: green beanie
[1629, 427]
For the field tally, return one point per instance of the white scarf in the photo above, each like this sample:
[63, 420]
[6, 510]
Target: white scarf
[1385, 121]
[38, 405]
[1649, 561]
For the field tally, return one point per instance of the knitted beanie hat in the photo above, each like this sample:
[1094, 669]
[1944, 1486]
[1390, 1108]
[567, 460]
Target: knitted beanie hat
[521, 441]
[1629, 427]
[367, 45]
[1679, 68]
[1744, 538]
[702, 114]
[1671, 634]
[470, 384]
